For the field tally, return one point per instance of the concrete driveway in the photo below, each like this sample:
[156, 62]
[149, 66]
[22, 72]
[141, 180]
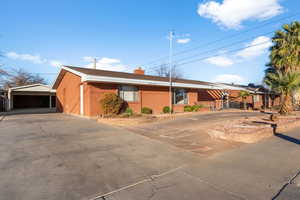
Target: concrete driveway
[190, 132]
[54, 156]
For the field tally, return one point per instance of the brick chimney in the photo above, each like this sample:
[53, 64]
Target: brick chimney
[139, 70]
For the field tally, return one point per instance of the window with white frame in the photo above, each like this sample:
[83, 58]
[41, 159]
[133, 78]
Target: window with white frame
[180, 96]
[128, 93]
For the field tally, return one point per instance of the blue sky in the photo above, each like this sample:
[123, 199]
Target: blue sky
[38, 36]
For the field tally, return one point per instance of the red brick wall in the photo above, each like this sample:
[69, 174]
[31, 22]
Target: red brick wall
[154, 97]
[68, 94]
[94, 93]
[250, 99]
[210, 98]
[233, 95]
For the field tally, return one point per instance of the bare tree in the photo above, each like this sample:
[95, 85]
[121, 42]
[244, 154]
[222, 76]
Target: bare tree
[164, 71]
[3, 74]
[19, 77]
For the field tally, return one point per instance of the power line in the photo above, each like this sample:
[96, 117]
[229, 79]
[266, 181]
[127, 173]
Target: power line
[218, 49]
[203, 58]
[223, 38]
[234, 50]
[230, 51]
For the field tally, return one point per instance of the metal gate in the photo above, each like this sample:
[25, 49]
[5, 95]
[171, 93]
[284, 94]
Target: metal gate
[229, 103]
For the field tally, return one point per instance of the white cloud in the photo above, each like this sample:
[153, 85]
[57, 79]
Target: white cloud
[231, 13]
[229, 78]
[255, 48]
[26, 57]
[183, 40]
[36, 59]
[221, 61]
[88, 58]
[55, 63]
[105, 63]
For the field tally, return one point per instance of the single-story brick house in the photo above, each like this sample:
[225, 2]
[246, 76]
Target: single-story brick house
[79, 91]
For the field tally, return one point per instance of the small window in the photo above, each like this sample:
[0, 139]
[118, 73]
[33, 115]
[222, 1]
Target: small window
[180, 96]
[128, 93]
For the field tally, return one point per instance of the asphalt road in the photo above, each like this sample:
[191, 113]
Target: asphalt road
[54, 156]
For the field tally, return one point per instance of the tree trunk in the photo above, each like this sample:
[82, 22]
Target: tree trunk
[286, 105]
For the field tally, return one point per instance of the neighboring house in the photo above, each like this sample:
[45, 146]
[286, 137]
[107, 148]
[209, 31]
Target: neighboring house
[31, 96]
[259, 98]
[79, 91]
[212, 98]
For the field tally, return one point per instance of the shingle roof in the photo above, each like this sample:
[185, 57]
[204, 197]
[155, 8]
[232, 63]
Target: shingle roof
[96, 75]
[97, 72]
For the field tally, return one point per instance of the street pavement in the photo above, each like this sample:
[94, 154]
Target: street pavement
[56, 156]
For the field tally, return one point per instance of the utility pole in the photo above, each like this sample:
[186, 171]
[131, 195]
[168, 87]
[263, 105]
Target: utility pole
[170, 69]
[95, 63]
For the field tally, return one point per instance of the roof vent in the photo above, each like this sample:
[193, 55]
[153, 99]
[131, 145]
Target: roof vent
[139, 70]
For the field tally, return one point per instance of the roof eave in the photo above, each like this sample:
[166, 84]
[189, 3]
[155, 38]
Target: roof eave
[91, 78]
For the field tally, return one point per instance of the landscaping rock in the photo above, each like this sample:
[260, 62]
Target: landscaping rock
[251, 130]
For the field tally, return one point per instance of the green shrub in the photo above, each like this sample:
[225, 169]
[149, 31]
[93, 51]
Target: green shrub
[166, 109]
[146, 110]
[129, 111]
[196, 108]
[111, 104]
[188, 109]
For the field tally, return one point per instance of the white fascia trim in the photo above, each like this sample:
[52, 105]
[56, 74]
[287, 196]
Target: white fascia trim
[67, 69]
[143, 82]
[227, 87]
[26, 86]
[33, 85]
[56, 77]
[73, 71]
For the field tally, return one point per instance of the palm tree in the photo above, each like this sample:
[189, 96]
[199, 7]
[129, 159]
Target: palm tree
[284, 84]
[285, 53]
[244, 95]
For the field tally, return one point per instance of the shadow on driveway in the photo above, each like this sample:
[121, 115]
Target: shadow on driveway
[288, 138]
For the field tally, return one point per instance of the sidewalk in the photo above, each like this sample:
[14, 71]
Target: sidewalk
[255, 171]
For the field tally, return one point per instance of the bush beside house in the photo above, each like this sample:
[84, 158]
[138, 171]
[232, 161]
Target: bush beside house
[194, 108]
[129, 111]
[166, 109]
[188, 109]
[146, 110]
[111, 104]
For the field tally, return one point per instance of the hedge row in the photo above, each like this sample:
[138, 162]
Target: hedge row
[112, 104]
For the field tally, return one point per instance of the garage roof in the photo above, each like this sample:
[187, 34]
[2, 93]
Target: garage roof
[33, 88]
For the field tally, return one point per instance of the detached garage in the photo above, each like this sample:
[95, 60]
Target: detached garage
[31, 96]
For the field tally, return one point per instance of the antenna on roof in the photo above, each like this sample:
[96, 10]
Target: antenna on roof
[95, 63]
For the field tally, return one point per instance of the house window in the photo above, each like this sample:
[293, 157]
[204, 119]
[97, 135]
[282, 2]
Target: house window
[128, 93]
[180, 96]
[256, 98]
